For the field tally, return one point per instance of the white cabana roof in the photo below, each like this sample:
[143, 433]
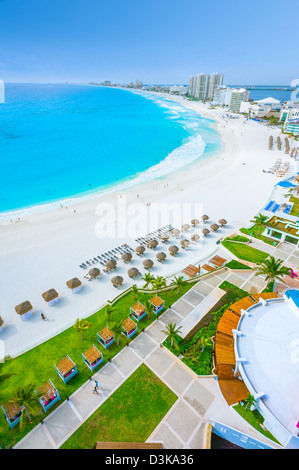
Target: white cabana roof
[269, 100]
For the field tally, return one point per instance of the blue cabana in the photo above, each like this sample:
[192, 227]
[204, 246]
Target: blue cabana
[13, 413]
[105, 337]
[158, 304]
[50, 395]
[138, 311]
[66, 369]
[129, 327]
[92, 358]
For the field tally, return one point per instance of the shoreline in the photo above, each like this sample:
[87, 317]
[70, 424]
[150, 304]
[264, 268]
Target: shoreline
[45, 249]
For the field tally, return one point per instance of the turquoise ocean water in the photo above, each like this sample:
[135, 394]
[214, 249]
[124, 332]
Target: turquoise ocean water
[58, 142]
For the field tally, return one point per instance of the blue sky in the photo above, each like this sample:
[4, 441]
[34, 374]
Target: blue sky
[156, 41]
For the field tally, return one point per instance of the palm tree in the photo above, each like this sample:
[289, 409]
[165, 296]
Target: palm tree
[28, 399]
[149, 308]
[82, 325]
[178, 282]
[272, 269]
[117, 331]
[249, 401]
[4, 377]
[135, 291]
[147, 278]
[158, 283]
[172, 331]
[205, 342]
[109, 310]
[259, 221]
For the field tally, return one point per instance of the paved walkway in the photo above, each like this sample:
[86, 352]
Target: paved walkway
[199, 399]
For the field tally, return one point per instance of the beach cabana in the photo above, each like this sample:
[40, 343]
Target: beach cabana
[1, 324]
[50, 296]
[92, 358]
[161, 256]
[194, 222]
[222, 222]
[140, 250]
[204, 217]
[74, 284]
[24, 310]
[148, 263]
[126, 257]
[153, 243]
[185, 243]
[50, 395]
[138, 311]
[66, 369]
[205, 231]
[217, 261]
[117, 281]
[176, 232]
[173, 249]
[94, 272]
[105, 337]
[12, 413]
[158, 304]
[133, 272]
[129, 327]
[191, 270]
[214, 227]
[111, 264]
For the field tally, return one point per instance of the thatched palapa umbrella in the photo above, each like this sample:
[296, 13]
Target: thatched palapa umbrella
[111, 264]
[74, 284]
[176, 232]
[185, 227]
[214, 227]
[148, 263]
[173, 249]
[50, 296]
[185, 243]
[204, 217]
[297, 178]
[164, 237]
[94, 272]
[1, 324]
[117, 281]
[195, 237]
[296, 190]
[161, 256]
[23, 308]
[126, 256]
[133, 272]
[194, 222]
[222, 222]
[140, 249]
[153, 243]
[205, 231]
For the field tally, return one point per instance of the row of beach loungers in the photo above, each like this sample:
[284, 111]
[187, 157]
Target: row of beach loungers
[274, 206]
[156, 233]
[111, 254]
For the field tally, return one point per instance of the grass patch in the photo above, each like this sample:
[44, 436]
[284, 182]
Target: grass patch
[129, 415]
[254, 232]
[255, 419]
[37, 365]
[245, 252]
[233, 264]
[295, 208]
[239, 238]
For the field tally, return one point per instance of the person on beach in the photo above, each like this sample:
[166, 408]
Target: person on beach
[43, 316]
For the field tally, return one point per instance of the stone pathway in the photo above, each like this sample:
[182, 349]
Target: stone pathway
[199, 399]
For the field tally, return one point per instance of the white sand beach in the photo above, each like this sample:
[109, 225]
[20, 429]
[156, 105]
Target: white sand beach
[44, 250]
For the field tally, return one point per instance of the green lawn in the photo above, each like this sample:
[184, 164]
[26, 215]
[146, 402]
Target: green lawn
[129, 415]
[233, 264]
[254, 232]
[37, 365]
[245, 252]
[255, 419]
[295, 208]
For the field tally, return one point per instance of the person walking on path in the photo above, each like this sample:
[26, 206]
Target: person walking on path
[96, 387]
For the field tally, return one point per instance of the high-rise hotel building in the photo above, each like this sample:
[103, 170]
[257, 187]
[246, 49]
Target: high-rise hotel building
[202, 86]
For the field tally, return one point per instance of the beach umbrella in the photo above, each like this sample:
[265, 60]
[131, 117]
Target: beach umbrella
[23, 308]
[110, 264]
[1, 322]
[94, 272]
[297, 177]
[205, 231]
[117, 281]
[195, 237]
[49, 295]
[140, 249]
[194, 222]
[185, 243]
[205, 217]
[74, 283]
[148, 263]
[126, 256]
[133, 272]
[176, 232]
[185, 227]
[214, 227]
[296, 189]
[161, 256]
[222, 222]
[153, 243]
[173, 249]
[164, 237]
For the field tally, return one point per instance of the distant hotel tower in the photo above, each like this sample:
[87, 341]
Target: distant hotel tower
[203, 87]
